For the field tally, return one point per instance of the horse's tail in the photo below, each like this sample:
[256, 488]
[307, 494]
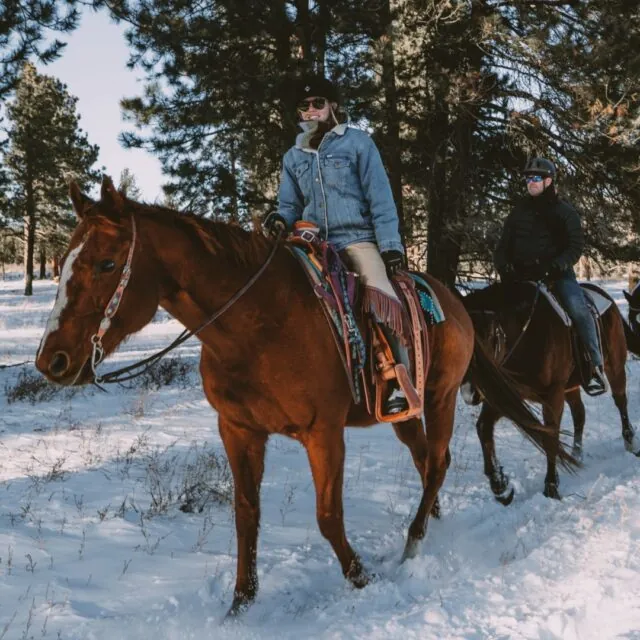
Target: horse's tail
[505, 395]
[633, 339]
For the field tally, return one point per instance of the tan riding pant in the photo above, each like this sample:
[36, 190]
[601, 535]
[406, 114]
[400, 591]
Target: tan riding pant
[364, 258]
[381, 299]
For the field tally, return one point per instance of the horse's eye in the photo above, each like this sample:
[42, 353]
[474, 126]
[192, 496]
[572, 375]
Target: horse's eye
[106, 266]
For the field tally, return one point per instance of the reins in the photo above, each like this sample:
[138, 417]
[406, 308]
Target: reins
[525, 326]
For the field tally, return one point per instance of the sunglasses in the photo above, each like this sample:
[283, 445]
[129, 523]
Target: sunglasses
[317, 103]
[529, 179]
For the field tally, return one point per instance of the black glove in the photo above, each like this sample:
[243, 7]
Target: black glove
[393, 261]
[533, 271]
[507, 272]
[274, 223]
[554, 272]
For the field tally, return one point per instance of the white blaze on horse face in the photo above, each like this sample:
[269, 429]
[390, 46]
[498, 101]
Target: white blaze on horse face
[53, 323]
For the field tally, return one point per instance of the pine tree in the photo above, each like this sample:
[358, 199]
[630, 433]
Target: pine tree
[46, 149]
[129, 185]
[24, 24]
[457, 94]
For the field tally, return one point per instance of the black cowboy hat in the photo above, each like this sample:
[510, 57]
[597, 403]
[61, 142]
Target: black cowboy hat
[311, 86]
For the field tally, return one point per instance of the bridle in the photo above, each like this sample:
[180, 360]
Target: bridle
[125, 373]
[97, 353]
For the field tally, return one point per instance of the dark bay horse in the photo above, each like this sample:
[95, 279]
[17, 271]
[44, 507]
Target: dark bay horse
[633, 298]
[268, 364]
[530, 340]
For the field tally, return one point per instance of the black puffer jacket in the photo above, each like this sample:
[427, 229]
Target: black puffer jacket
[544, 231]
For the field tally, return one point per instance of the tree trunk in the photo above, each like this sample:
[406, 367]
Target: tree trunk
[304, 30]
[585, 268]
[235, 213]
[633, 277]
[453, 133]
[43, 264]
[391, 148]
[29, 248]
[56, 265]
[29, 232]
[436, 194]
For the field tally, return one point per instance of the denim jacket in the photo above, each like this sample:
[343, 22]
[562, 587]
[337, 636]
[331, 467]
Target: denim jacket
[349, 198]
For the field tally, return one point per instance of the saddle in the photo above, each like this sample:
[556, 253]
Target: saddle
[364, 350]
[598, 302]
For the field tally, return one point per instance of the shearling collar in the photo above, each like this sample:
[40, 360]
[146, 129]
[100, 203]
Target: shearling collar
[308, 129]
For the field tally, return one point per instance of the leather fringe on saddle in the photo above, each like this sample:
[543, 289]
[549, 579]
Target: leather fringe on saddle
[386, 310]
[384, 368]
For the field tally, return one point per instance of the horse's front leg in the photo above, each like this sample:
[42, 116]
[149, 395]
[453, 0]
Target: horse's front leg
[245, 451]
[411, 433]
[500, 485]
[574, 400]
[439, 415]
[552, 413]
[325, 450]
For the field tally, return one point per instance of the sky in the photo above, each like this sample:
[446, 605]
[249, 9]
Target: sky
[93, 66]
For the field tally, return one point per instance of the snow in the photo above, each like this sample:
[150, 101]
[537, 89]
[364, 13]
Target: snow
[85, 552]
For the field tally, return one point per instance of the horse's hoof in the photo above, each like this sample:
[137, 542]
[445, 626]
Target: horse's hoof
[239, 606]
[502, 488]
[506, 497]
[435, 510]
[632, 445]
[357, 575]
[551, 491]
[410, 549]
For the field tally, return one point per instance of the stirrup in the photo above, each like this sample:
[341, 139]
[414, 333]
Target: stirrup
[396, 402]
[598, 383]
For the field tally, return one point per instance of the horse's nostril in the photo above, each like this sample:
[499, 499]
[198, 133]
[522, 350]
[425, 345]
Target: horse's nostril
[59, 364]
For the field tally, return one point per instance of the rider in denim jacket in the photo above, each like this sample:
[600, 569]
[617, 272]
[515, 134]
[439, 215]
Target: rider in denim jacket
[353, 184]
[334, 177]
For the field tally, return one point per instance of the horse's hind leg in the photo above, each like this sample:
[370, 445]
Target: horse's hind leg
[411, 433]
[552, 413]
[245, 451]
[574, 400]
[325, 449]
[439, 414]
[500, 486]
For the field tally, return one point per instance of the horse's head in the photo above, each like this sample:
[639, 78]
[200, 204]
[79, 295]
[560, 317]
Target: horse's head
[633, 299]
[94, 268]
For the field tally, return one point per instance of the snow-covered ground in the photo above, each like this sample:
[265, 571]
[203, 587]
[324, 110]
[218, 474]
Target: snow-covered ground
[93, 544]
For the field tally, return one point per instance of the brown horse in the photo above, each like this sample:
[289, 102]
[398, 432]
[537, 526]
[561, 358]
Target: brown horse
[530, 339]
[269, 364]
[633, 298]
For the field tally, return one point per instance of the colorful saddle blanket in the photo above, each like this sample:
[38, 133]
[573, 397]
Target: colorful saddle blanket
[337, 290]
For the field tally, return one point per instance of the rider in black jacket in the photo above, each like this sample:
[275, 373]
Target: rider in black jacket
[542, 239]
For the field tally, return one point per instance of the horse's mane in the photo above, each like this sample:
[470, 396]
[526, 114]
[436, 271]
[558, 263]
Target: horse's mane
[248, 248]
[500, 297]
[488, 298]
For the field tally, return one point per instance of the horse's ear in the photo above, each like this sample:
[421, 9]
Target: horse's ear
[627, 295]
[78, 199]
[111, 196]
